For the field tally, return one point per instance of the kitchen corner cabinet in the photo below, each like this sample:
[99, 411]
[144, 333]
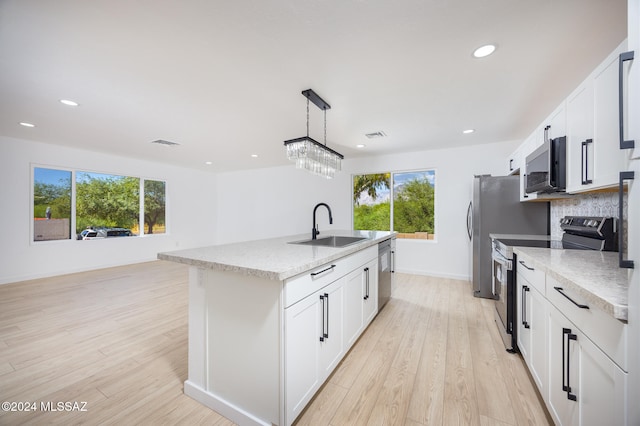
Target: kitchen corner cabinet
[593, 155]
[532, 322]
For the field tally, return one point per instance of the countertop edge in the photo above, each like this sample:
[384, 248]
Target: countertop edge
[273, 274]
[616, 310]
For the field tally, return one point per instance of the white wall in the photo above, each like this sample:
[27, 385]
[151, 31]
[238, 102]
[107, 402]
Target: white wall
[191, 207]
[228, 207]
[279, 201]
[449, 255]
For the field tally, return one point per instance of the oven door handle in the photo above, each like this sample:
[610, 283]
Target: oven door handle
[497, 257]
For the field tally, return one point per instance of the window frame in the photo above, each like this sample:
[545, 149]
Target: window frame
[392, 174]
[73, 221]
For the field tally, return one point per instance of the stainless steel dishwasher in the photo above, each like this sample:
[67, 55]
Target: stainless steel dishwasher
[385, 270]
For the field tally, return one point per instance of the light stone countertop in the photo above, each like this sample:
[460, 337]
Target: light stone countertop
[594, 275]
[273, 258]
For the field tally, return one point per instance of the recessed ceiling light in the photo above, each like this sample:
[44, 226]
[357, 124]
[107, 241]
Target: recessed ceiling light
[485, 50]
[208, 163]
[360, 145]
[466, 132]
[69, 102]
[25, 124]
[254, 155]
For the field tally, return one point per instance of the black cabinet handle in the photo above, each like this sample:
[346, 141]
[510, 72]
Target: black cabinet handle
[322, 335]
[525, 265]
[525, 289]
[584, 166]
[560, 290]
[366, 284]
[626, 56]
[566, 386]
[313, 274]
[546, 133]
[624, 263]
[326, 297]
[393, 262]
[511, 164]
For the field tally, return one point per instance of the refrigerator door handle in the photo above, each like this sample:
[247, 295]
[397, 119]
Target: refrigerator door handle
[470, 220]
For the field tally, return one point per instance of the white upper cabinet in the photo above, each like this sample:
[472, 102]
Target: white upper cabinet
[594, 158]
[591, 119]
[632, 72]
[515, 162]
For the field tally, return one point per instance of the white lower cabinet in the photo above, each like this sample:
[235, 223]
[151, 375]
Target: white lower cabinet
[532, 332]
[314, 344]
[575, 353]
[303, 328]
[321, 327]
[353, 324]
[585, 386]
[370, 291]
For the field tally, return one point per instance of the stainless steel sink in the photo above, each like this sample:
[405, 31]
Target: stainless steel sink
[332, 241]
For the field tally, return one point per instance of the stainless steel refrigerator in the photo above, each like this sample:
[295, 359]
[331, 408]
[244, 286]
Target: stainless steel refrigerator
[495, 208]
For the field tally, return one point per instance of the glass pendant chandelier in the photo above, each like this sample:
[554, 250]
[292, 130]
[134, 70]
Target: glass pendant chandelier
[310, 154]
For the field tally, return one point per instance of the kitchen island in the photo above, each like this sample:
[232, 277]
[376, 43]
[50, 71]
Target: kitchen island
[269, 320]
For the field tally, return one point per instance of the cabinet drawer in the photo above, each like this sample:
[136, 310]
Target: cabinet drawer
[606, 332]
[533, 275]
[300, 286]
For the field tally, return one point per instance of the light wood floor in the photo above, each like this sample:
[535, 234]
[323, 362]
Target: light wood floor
[117, 340]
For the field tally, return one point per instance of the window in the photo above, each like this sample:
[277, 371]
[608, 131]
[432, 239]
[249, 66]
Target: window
[402, 201]
[107, 201]
[51, 204]
[154, 207]
[413, 204]
[105, 205]
[372, 202]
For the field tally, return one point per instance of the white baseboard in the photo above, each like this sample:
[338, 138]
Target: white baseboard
[434, 274]
[222, 406]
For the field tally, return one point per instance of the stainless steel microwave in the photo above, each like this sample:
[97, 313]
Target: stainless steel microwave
[546, 167]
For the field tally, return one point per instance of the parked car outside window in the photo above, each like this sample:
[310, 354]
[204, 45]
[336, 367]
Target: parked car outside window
[98, 233]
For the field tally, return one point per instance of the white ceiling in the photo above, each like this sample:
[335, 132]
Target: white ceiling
[224, 78]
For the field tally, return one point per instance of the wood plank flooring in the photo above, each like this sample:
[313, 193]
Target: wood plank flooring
[117, 339]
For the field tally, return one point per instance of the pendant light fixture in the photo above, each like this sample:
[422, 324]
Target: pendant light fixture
[310, 154]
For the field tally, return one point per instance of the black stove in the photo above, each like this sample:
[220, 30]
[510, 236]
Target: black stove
[580, 232]
[590, 233]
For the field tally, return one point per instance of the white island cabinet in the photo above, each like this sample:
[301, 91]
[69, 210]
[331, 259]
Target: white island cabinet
[270, 320]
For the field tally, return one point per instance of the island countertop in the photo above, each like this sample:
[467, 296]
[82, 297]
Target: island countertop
[274, 258]
[594, 275]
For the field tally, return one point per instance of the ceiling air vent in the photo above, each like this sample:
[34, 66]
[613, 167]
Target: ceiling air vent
[167, 143]
[376, 135]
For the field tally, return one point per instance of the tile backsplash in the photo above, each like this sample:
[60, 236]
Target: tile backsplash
[594, 204]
